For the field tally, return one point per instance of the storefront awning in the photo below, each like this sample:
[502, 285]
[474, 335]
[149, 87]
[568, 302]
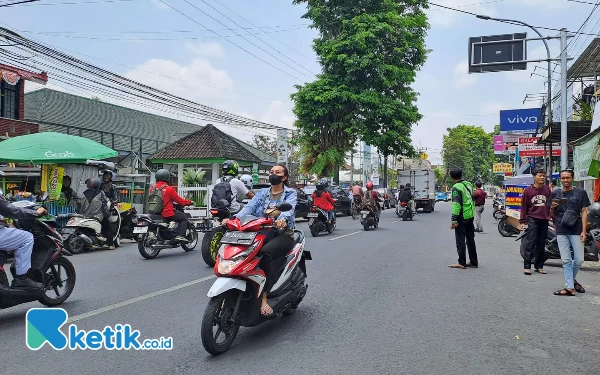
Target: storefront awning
[587, 63]
[575, 130]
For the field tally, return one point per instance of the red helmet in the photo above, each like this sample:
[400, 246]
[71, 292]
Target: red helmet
[369, 185]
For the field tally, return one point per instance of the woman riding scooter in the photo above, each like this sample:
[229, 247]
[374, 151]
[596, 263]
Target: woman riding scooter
[323, 200]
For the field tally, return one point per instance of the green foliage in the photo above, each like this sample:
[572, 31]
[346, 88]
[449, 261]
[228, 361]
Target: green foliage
[392, 178]
[370, 52]
[192, 176]
[584, 111]
[469, 148]
[440, 178]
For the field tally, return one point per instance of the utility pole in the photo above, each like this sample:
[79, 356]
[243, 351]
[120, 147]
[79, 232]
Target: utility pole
[564, 149]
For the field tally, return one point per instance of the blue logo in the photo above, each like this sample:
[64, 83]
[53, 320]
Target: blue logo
[520, 120]
[44, 326]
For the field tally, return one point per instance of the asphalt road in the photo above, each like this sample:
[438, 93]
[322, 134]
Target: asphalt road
[379, 302]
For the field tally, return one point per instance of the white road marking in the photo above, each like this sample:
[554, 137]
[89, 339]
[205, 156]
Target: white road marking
[137, 299]
[345, 235]
[395, 221]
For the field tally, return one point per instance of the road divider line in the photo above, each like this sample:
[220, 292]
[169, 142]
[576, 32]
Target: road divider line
[345, 235]
[131, 301]
[395, 221]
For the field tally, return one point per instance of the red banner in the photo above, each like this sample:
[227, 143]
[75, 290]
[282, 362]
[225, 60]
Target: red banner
[11, 78]
[530, 147]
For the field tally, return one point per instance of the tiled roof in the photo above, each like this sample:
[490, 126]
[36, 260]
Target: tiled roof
[210, 143]
[52, 108]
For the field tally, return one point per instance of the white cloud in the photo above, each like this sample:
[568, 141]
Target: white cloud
[462, 78]
[277, 114]
[205, 49]
[196, 81]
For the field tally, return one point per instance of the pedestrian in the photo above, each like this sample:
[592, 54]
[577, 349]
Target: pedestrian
[535, 212]
[479, 197]
[463, 211]
[569, 211]
[554, 184]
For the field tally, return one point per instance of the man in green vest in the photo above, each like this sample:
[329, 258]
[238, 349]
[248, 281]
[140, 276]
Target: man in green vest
[463, 212]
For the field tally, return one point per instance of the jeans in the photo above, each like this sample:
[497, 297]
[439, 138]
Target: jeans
[465, 238]
[22, 243]
[273, 250]
[107, 231]
[571, 264]
[537, 230]
[478, 212]
[330, 215]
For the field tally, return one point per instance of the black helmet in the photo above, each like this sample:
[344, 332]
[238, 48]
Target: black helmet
[107, 173]
[93, 183]
[594, 209]
[407, 186]
[163, 175]
[322, 184]
[229, 168]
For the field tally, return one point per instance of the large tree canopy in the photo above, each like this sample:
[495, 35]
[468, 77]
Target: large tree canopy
[370, 51]
[469, 148]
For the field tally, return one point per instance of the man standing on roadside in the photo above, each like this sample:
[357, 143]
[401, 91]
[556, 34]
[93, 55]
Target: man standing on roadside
[463, 211]
[535, 212]
[479, 198]
[570, 215]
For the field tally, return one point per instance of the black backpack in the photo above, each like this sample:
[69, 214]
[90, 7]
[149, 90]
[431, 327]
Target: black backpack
[155, 201]
[221, 191]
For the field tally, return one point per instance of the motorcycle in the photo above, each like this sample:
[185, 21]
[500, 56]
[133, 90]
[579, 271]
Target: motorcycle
[551, 251]
[505, 229]
[368, 217]
[48, 265]
[499, 213]
[156, 235]
[129, 221]
[403, 211]
[317, 221]
[213, 234]
[82, 233]
[236, 295]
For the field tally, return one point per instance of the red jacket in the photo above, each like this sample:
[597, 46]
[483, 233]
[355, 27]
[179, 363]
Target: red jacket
[169, 196]
[324, 202]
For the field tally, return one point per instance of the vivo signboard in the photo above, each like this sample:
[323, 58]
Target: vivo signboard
[520, 120]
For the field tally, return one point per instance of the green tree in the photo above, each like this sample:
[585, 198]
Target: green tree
[266, 144]
[440, 178]
[469, 148]
[370, 52]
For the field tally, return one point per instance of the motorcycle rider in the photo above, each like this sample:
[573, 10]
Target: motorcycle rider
[239, 190]
[169, 195]
[67, 190]
[108, 188]
[282, 238]
[247, 180]
[323, 200]
[20, 241]
[405, 195]
[372, 196]
[357, 193]
[95, 205]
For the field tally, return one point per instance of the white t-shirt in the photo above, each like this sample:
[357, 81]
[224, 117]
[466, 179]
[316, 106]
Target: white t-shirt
[238, 191]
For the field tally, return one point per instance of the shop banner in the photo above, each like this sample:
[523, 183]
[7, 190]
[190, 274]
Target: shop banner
[55, 183]
[529, 147]
[505, 144]
[282, 145]
[586, 159]
[520, 120]
[512, 198]
[503, 168]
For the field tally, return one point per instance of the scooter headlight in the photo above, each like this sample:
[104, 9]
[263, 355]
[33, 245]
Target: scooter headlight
[227, 265]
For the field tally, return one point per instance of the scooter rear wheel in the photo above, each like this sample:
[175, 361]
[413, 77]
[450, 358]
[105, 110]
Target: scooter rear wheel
[74, 243]
[218, 314]
[145, 250]
[62, 269]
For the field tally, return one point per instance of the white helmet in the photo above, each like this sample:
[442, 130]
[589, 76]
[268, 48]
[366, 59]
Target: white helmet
[247, 180]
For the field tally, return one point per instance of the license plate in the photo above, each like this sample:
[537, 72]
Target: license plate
[204, 227]
[364, 212]
[312, 214]
[239, 238]
[140, 230]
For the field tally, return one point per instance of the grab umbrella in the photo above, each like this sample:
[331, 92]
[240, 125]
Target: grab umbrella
[52, 148]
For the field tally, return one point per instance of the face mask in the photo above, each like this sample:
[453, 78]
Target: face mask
[275, 179]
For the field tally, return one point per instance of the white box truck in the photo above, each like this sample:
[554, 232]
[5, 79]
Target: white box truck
[419, 174]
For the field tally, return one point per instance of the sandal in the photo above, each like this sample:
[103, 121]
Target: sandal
[457, 265]
[579, 288]
[541, 270]
[564, 292]
[527, 272]
[470, 265]
[266, 310]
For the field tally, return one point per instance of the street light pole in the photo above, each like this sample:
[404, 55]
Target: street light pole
[549, 99]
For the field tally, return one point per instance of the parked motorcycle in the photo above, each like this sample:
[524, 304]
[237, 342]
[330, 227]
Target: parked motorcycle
[129, 221]
[157, 235]
[82, 233]
[403, 211]
[317, 221]
[48, 265]
[368, 217]
[505, 229]
[236, 295]
[213, 234]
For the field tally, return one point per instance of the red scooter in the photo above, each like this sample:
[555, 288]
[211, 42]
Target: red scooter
[236, 295]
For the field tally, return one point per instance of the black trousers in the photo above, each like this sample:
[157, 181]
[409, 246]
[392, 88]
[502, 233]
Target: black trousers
[180, 218]
[465, 239]
[107, 231]
[537, 230]
[274, 250]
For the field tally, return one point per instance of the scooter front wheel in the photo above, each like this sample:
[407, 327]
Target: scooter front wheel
[59, 281]
[219, 321]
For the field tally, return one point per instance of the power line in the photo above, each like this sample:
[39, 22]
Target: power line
[163, 31]
[235, 44]
[17, 3]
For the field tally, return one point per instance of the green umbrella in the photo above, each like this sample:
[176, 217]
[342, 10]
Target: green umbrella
[52, 148]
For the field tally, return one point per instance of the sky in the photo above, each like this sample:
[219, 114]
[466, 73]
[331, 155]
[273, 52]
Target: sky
[246, 56]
